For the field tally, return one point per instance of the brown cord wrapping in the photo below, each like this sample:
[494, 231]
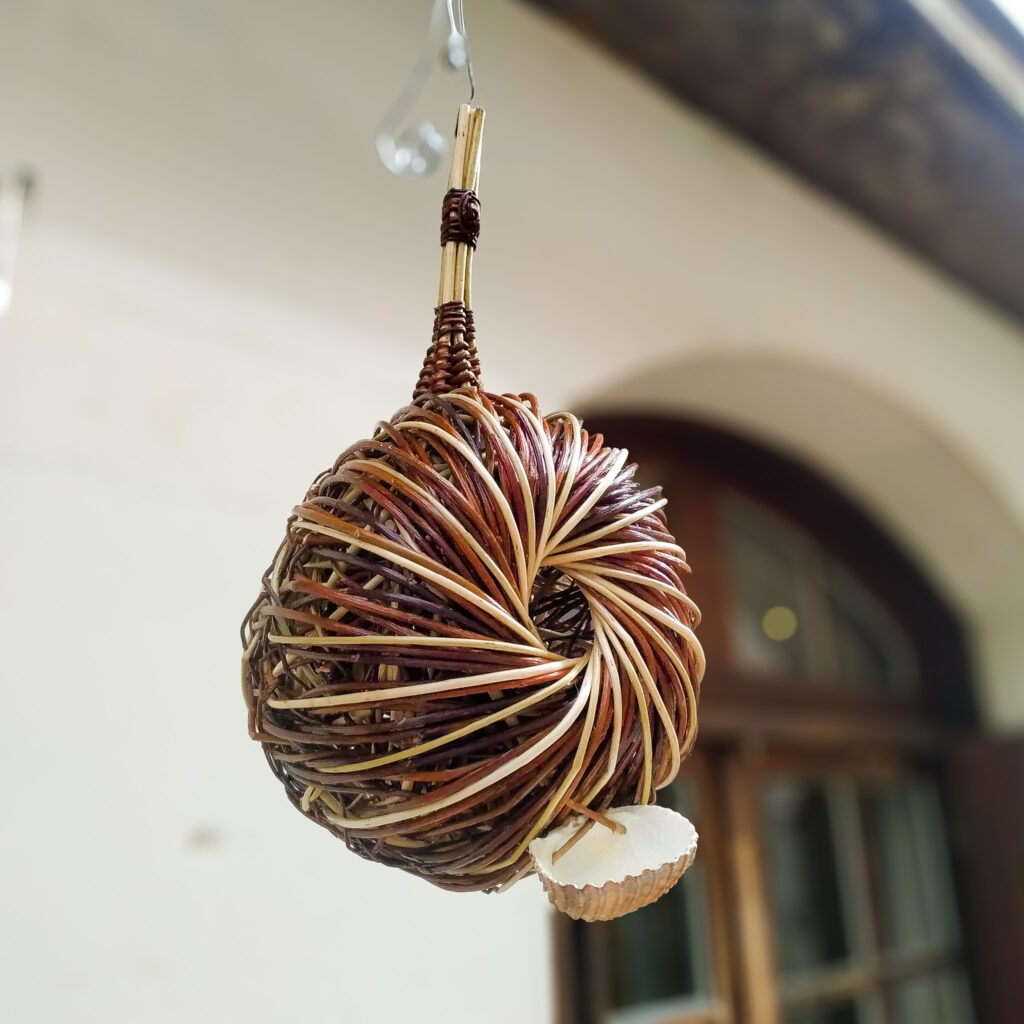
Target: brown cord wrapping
[460, 217]
[451, 361]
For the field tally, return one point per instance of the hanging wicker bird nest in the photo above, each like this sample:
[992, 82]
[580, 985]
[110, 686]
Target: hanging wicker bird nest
[475, 628]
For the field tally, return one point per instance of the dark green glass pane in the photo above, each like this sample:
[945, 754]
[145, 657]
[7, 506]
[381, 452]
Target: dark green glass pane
[915, 1002]
[660, 952]
[955, 998]
[772, 568]
[797, 611]
[650, 955]
[803, 876]
[836, 1013]
[874, 652]
[907, 852]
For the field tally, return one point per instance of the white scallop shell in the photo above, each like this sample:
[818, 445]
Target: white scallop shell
[608, 874]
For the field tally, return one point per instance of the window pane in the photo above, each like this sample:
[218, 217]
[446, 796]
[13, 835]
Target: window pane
[836, 1013]
[798, 611]
[803, 876]
[661, 952]
[915, 1002]
[908, 859]
[873, 650]
[778, 585]
[955, 998]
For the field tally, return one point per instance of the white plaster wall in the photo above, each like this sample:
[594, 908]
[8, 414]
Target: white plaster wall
[212, 212]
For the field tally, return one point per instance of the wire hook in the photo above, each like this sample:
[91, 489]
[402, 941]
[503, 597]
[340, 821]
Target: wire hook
[16, 185]
[417, 150]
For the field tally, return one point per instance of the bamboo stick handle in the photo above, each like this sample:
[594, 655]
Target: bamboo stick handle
[457, 257]
[451, 360]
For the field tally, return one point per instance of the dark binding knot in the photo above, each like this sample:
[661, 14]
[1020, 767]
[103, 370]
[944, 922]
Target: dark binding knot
[460, 217]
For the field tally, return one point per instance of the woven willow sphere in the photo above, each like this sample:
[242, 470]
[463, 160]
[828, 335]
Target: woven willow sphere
[475, 617]
[476, 625]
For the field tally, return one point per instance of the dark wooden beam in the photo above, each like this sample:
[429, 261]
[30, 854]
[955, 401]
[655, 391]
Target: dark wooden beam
[861, 97]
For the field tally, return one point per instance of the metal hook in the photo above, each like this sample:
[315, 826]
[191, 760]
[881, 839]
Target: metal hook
[417, 150]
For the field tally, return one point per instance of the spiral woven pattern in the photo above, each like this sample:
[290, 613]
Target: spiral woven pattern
[475, 618]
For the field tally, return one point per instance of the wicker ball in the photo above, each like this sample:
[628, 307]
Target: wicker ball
[476, 622]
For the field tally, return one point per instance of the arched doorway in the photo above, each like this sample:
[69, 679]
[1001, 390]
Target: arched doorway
[826, 891]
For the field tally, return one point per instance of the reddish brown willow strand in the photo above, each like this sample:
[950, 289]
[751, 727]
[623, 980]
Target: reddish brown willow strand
[475, 622]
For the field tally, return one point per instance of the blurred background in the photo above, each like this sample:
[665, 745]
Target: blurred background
[772, 246]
